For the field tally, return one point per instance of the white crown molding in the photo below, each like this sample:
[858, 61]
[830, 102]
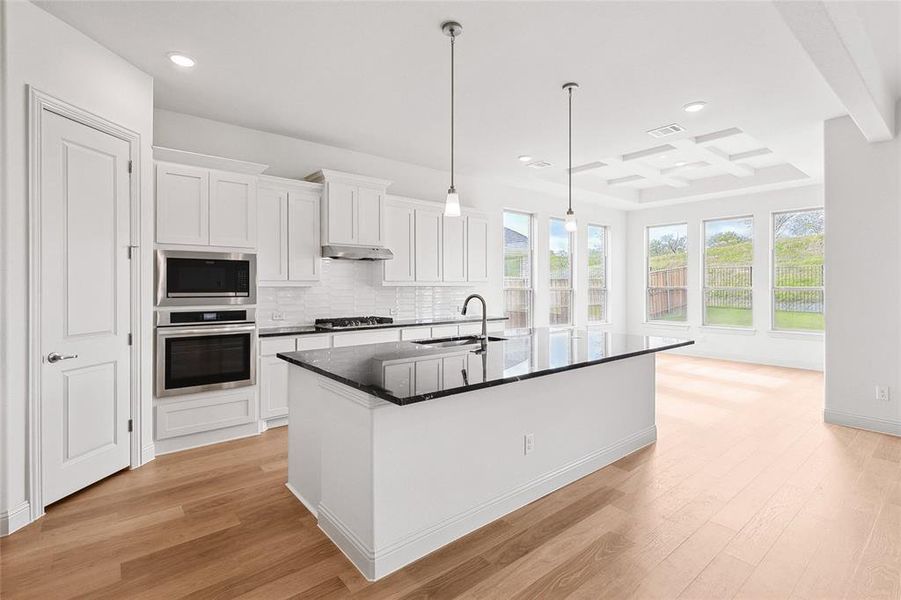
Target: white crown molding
[183, 157]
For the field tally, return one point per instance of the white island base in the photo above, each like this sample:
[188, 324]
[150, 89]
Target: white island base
[390, 484]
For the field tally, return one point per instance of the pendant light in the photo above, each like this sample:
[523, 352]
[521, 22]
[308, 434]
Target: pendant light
[452, 205]
[571, 224]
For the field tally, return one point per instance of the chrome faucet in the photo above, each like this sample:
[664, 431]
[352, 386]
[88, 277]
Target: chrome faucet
[484, 314]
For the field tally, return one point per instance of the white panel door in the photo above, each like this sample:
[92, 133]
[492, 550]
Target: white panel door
[428, 245]
[272, 235]
[369, 217]
[233, 209]
[85, 305]
[398, 379]
[428, 376]
[399, 239]
[182, 205]
[304, 249]
[454, 248]
[477, 249]
[342, 213]
[273, 387]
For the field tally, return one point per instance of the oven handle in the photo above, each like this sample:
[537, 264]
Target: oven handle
[168, 332]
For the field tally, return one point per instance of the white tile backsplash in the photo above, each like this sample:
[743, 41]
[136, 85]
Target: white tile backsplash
[351, 288]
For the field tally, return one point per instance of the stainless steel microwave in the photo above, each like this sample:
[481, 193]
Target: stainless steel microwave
[188, 278]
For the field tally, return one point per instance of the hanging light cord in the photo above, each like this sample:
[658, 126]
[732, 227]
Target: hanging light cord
[453, 39]
[570, 170]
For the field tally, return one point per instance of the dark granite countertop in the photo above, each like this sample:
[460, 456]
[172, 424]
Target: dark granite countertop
[311, 329]
[384, 370]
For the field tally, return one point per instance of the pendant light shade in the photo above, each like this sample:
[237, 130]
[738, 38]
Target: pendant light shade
[452, 205]
[571, 223]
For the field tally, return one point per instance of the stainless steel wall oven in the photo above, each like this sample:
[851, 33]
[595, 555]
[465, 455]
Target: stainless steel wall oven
[198, 351]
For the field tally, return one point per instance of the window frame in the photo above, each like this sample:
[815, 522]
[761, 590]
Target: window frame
[772, 275]
[647, 272]
[704, 287]
[606, 288]
[572, 275]
[532, 267]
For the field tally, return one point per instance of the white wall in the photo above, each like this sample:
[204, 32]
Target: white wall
[863, 265]
[760, 345]
[295, 158]
[44, 52]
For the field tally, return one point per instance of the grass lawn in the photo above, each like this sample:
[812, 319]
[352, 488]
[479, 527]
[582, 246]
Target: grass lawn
[741, 317]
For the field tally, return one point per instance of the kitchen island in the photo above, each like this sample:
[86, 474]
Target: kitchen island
[400, 448]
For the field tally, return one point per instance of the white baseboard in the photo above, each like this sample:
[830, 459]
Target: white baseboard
[15, 518]
[267, 424]
[740, 358]
[148, 453]
[376, 563]
[838, 417]
[309, 506]
[205, 438]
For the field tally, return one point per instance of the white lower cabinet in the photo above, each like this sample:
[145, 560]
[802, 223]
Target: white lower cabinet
[357, 338]
[428, 375]
[453, 368]
[205, 412]
[399, 378]
[273, 377]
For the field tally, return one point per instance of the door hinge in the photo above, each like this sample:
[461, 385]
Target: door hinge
[131, 250]
[129, 167]
[129, 339]
[130, 425]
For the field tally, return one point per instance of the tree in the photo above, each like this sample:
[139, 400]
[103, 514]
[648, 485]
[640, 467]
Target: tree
[800, 223]
[667, 244]
[726, 238]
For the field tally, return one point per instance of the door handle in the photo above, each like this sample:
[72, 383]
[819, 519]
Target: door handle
[55, 357]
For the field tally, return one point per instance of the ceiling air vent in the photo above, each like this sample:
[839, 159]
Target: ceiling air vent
[539, 164]
[666, 130]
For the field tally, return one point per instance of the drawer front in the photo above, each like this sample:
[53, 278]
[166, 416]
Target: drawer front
[416, 333]
[357, 338]
[314, 342]
[272, 346]
[471, 329]
[205, 413]
[444, 331]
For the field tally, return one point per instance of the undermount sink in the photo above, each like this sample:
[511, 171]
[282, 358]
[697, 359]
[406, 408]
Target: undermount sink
[457, 341]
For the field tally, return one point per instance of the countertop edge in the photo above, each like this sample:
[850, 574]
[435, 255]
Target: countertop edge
[384, 395]
[263, 334]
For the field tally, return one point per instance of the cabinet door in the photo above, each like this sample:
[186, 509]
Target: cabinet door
[369, 217]
[272, 235]
[477, 249]
[454, 248]
[398, 379]
[341, 223]
[428, 245]
[233, 209]
[428, 376]
[452, 371]
[182, 205]
[399, 239]
[273, 387]
[304, 250]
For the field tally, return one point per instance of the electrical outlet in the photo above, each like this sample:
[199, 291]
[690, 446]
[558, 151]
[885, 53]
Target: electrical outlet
[278, 315]
[528, 443]
[882, 393]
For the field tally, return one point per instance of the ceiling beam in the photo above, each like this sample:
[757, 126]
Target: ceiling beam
[633, 166]
[705, 152]
[836, 40]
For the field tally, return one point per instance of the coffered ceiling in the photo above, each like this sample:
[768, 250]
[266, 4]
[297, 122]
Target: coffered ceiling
[373, 77]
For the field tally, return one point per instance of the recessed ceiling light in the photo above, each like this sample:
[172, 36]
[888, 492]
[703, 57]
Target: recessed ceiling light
[681, 163]
[524, 158]
[181, 60]
[693, 107]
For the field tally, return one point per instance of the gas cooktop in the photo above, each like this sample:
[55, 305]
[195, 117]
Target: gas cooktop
[351, 322]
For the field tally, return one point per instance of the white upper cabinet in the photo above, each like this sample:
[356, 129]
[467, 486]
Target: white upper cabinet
[399, 238]
[233, 209]
[352, 208]
[304, 249]
[476, 248]
[288, 250]
[182, 204]
[428, 234]
[454, 249]
[205, 200]
[272, 236]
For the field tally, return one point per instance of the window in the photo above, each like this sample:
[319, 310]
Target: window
[667, 273]
[597, 273]
[561, 273]
[728, 260]
[518, 269]
[798, 277]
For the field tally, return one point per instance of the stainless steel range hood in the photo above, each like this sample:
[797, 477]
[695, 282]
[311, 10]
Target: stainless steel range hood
[356, 252]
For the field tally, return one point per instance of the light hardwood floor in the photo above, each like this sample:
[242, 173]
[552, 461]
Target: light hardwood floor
[746, 494]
